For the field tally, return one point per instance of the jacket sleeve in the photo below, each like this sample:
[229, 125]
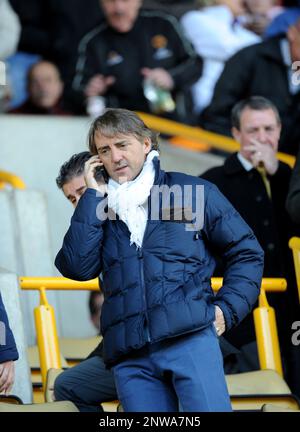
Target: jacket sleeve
[8, 349]
[229, 234]
[293, 198]
[80, 255]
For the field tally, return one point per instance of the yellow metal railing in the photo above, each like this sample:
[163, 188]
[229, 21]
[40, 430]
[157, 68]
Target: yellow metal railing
[294, 244]
[199, 136]
[12, 179]
[264, 319]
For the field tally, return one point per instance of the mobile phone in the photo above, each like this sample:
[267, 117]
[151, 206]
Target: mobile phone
[101, 173]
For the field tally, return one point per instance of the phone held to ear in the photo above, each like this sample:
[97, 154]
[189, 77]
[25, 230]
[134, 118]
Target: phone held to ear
[100, 174]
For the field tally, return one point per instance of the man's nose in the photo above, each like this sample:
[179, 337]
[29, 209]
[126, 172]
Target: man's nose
[262, 136]
[120, 6]
[116, 155]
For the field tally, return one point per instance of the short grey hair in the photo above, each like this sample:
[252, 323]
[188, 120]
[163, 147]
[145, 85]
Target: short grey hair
[119, 121]
[258, 103]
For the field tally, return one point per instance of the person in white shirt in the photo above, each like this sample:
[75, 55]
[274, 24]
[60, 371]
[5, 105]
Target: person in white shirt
[216, 35]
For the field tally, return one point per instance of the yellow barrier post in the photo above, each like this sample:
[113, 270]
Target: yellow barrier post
[265, 324]
[12, 179]
[47, 338]
[266, 335]
[294, 244]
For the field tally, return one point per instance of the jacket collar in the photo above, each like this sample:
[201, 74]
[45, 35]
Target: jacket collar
[271, 49]
[233, 166]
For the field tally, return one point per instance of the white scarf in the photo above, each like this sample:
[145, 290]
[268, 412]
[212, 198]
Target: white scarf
[129, 200]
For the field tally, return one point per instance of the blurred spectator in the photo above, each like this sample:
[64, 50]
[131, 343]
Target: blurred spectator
[263, 69]
[9, 37]
[133, 45]
[51, 29]
[293, 199]
[215, 47]
[283, 21]
[260, 14]
[45, 89]
[96, 300]
[174, 7]
[256, 184]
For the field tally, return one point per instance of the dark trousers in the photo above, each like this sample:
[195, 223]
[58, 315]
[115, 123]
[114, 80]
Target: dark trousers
[86, 385]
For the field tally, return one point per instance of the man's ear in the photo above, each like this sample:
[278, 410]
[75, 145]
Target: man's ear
[236, 134]
[148, 145]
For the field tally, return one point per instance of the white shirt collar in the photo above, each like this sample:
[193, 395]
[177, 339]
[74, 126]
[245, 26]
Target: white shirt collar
[247, 165]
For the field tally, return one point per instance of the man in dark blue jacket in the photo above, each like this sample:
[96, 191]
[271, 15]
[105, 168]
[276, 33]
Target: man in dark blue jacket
[151, 236]
[8, 352]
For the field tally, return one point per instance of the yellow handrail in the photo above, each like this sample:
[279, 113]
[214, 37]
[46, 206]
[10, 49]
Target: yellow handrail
[65, 284]
[57, 283]
[12, 179]
[264, 319]
[294, 244]
[217, 141]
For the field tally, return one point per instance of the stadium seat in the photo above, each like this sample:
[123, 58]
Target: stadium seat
[64, 406]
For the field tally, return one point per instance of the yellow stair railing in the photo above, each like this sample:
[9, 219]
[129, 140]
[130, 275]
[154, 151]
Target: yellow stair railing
[294, 244]
[199, 136]
[48, 345]
[12, 179]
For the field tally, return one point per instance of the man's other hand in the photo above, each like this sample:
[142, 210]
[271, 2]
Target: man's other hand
[7, 376]
[219, 322]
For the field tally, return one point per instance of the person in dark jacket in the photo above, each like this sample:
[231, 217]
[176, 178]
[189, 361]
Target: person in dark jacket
[264, 69]
[132, 46]
[293, 198]
[150, 235]
[8, 352]
[256, 183]
[88, 384]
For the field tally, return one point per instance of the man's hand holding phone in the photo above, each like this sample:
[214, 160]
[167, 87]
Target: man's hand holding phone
[91, 172]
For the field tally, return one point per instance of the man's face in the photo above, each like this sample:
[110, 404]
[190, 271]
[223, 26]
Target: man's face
[74, 189]
[121, 14]
[258, 125]
[45, 86]
[123, 156]
[259, 6]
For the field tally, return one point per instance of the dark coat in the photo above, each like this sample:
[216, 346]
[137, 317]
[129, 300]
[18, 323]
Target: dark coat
[8, 349]
[270, 223]
[155, 41]
[257, 70]
[163, 289]
[293, 198]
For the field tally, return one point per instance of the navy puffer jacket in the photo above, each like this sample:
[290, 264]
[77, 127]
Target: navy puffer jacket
[163, 289]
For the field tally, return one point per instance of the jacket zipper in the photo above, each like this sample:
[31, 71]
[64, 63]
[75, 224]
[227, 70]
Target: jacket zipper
[141, 259]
